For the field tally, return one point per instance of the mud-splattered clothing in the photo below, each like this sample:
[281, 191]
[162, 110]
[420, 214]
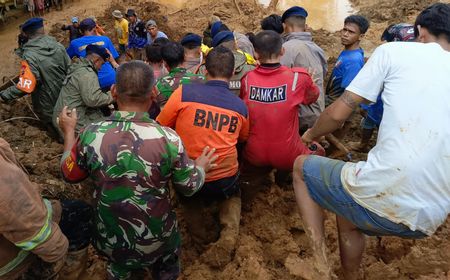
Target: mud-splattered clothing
[28, 223]
[131, 158]
[176, 77]
[209, 115]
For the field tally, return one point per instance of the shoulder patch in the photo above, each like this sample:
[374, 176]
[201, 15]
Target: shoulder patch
[27, 80]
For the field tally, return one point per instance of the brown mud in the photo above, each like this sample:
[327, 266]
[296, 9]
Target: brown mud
[272, 243]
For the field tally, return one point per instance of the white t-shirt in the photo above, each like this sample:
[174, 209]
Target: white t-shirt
[406, 177]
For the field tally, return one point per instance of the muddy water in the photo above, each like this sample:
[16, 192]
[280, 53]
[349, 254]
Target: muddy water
[327, 14]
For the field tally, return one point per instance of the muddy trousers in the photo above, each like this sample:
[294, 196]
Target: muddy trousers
[223, 194]
[76, 224]
[220, 252]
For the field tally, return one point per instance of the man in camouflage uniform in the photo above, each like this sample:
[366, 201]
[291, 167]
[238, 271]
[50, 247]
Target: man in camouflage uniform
[81, 89]
[43, 69]
[241, 66]
[173, 57]
[132, 158]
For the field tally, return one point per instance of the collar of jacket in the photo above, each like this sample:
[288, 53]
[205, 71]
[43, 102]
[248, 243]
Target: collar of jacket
[88, 63]
[124, 116]
[135, 23]
[30, 44]
[304, 36]
[177, 70]
[217, 83]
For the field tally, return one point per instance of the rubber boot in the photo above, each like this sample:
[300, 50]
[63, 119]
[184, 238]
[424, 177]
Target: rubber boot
[75, 265]
[219, 253]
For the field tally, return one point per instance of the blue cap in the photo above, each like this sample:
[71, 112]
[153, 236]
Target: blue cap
[87, 24]
[101, 51]
[222, 37]
[215, 28]
[192, 38]
[32, 24]
[294, 11]
[75, 20]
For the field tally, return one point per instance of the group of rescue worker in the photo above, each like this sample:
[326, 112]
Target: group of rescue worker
[208, 113]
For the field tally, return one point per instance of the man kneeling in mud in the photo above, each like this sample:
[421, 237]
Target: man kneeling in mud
[211, 115]
[131, 159]
[403, 189]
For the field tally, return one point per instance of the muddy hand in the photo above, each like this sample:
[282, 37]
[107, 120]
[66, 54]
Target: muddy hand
[67, 120]
[307, 139]
[207, 158]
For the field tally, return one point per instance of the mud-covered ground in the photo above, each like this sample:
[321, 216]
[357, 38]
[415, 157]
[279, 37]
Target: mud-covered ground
[272, 244]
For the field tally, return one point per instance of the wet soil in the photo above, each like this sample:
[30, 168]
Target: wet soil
[272, 243]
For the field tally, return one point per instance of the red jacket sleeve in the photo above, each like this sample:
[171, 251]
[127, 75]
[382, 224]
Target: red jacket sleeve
[71, 171]
[312, 91]
[305, 88]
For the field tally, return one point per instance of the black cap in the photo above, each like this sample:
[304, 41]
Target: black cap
[101, 51]
[294, 11]
[221, 37]
[130, 12]
[87, 24]
[192, 38]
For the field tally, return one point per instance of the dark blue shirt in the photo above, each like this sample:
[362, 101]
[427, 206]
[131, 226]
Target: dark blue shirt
[106, 74]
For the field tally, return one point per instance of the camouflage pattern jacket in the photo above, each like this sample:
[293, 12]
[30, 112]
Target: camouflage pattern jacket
[131, 158]
[169, 83]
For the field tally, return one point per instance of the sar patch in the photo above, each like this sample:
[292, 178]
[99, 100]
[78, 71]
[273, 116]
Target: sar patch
[268, 95]
[27, 80]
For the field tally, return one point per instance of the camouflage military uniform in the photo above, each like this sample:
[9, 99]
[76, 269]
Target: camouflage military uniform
[131, 158]
[169, 83]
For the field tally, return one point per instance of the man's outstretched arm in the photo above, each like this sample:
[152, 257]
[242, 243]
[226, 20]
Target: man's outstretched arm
[334, 116]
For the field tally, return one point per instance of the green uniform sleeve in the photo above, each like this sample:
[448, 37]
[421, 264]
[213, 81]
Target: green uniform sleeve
[34, 68]
[13, 92]
[187, 178]
[90, 92]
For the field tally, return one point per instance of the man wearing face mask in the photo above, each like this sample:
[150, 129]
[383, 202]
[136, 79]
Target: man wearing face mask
[81, 89]
[43, 68]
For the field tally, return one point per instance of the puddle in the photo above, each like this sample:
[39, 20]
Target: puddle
[327, 14]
